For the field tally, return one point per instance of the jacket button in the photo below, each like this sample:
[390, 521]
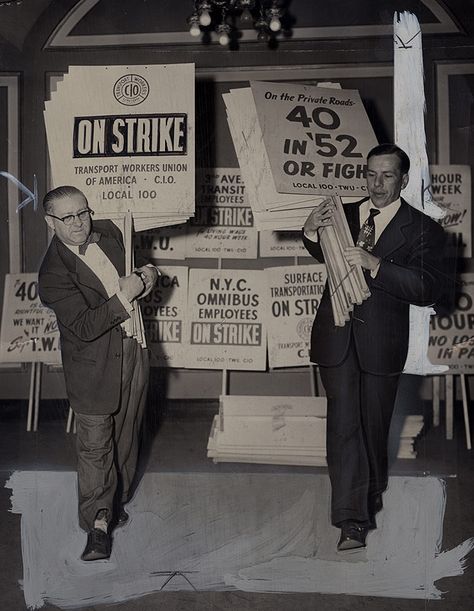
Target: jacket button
[117, 354]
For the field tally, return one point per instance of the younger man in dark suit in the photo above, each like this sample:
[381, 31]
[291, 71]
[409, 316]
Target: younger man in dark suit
[401, 253]
[82, 278]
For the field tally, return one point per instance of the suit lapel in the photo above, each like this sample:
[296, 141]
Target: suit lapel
[82, 272]
[353, 218]
[393, 236]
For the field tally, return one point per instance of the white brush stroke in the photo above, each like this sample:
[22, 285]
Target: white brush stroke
[409, 121]
[254, 532]
[409, 110]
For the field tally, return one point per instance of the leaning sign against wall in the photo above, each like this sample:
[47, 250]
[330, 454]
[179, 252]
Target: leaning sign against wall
[452, 335]
[29, 331]
[226, 320]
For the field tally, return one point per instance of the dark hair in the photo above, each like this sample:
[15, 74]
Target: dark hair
[58, 193]
[392, 149]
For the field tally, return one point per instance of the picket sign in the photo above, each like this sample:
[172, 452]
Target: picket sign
[18, 286]
[312, 369]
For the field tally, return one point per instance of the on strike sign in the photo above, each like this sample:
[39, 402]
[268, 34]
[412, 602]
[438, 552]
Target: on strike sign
[124, 135]
[29, 331]
[164, 310]
[226, 327]
[293, 298]
[451, 190]
[316, 138]
[452, 336]
[223, 226]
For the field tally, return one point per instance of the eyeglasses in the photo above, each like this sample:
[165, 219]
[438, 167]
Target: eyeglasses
[70, 218]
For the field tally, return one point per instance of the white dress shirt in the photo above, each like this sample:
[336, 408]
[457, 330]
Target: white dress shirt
[99, 263]
[381, 220]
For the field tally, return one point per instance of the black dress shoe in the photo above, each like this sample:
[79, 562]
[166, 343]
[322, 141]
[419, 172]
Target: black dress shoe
[98, 546]
[353, 535]
[122, 517]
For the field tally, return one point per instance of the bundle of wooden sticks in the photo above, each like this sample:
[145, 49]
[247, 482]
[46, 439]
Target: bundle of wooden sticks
[347, 285]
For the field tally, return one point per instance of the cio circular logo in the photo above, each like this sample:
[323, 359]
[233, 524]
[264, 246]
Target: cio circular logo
[303, 328]
[131, 89]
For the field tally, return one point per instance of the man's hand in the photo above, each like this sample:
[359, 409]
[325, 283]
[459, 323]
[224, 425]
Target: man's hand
[321, 216]
[131, 286]
[149, 274]
[358, 256]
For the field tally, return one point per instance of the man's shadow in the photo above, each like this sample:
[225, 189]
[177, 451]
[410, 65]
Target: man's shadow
[156, 404]
[410, 397]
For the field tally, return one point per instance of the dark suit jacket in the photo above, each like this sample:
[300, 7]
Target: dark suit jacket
[411, 272]
[88, 320]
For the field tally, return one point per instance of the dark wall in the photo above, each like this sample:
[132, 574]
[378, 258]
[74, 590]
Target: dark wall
[35, 64]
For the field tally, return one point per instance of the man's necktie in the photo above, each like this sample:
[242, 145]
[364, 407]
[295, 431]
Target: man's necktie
[366, 237]
[92, 239]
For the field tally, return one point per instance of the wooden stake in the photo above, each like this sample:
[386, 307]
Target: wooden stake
[39, 369]
[31, 397]
[449, 406]
[436, 407]
[465, 407]
[70, 420]
[312, 380]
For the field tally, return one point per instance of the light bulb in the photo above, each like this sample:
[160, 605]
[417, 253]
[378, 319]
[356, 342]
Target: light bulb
[275, 24]
[195, 30]
[223, 34]
[205, 18]
[224, 39]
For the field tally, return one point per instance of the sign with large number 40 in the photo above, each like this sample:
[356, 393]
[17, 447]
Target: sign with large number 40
[29, 331]
[316, 138]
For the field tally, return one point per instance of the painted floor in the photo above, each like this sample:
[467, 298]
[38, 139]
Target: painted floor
[251, 532]
[268, 533]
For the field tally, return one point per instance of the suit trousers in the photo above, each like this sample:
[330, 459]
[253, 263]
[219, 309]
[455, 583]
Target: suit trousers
[108, 445]
[359, 411]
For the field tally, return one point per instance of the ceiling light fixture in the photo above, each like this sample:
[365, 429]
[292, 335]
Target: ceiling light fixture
[222, 17]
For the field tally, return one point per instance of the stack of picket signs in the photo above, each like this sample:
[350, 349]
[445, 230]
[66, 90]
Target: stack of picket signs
[282, 430]
[297, 145]
[279, 430]
[271, 209]
[347, 285]
[124, 135]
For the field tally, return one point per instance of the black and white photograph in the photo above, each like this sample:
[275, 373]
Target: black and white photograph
[237, 305]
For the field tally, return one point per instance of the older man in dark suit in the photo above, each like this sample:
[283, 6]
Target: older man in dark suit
[82, 278]
[401, 253]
